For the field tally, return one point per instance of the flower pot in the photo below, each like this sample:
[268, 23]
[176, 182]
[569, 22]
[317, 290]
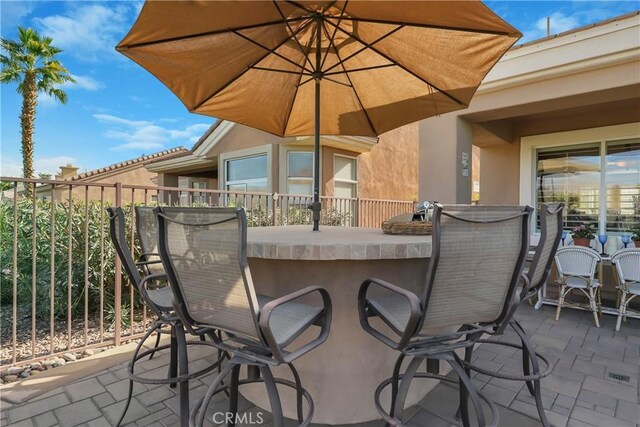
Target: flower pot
[637, 242]
[581, 241]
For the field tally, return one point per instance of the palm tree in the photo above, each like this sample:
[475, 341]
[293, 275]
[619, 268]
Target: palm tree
[30, 62]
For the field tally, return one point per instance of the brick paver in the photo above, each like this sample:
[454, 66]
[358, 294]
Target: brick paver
[578, 393]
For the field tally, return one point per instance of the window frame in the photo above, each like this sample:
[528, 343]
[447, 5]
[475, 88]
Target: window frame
[264, 150]
[342, 180]
[530, 145]
[288, 177]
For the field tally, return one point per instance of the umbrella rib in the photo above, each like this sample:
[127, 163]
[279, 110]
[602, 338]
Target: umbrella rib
[284, 19]
[433, 26]
[272, 51]
[276, 70]
[243, 72]
[333, 36]
[205, 34]
[355, 92]
[388, 58]
[379, 39]
[337, 82]
[373, 67]
[305, 52]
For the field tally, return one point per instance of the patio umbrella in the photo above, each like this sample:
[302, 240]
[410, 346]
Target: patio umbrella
[295, 68]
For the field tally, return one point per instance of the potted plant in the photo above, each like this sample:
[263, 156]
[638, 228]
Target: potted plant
[582, 235]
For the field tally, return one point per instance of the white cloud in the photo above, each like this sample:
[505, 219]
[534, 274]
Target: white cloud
[84, 82]
[14, 11]
[90, 32]
[50, 165]
[147, 135]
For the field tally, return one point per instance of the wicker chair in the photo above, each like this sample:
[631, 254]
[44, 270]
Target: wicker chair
[476, 263]
[576, 270]
[159, 300]
[627, 263]
[204, 252]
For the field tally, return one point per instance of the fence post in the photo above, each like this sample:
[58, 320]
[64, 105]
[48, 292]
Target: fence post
[275, 209]
[118, 280]
[357, 213]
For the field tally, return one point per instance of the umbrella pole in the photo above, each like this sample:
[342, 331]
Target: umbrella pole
[316, 205]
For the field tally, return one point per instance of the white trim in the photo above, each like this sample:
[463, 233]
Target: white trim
[601, 46]
[347, 181]
[218, 133]
[529, 145]
[284, 165]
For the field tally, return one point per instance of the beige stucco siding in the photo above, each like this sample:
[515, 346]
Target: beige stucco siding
[499, 174]
[390, 170]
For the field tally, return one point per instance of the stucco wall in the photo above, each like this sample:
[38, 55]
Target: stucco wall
[136, 175]
[240, 138]
[390, 170]
[500, 174]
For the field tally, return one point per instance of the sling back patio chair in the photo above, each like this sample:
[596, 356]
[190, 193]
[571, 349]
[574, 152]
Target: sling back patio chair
[576, 270]
[147, 232]
[627, 265]
[204, 252]
[160, 301]
[532, 281]
[476, 262]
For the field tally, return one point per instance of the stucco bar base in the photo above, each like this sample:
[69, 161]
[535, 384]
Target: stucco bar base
[343, 373]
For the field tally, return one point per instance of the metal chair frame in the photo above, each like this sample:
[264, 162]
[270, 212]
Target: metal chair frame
[167, 316]
[531, 287]
[258, 354]
[420, 347]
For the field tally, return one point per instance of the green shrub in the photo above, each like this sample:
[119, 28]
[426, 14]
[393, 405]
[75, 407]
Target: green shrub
[68, 255]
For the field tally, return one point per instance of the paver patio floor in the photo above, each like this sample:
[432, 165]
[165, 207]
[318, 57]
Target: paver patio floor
[579, 392]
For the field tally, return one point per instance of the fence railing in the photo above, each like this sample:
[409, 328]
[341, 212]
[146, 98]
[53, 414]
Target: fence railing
[62, 288]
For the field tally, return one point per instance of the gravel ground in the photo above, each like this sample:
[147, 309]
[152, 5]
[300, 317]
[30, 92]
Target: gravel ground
[42, 345]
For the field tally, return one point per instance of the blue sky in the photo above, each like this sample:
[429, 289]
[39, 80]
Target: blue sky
[118, 111]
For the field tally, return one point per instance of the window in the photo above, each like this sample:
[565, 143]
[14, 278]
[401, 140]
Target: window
[623, 185]
[192, 197]
[300, 172]
[345, 177]
[247, 174]
[571, 175]
[599, 183]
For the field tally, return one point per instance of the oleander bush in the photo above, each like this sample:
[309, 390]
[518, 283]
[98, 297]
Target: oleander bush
[67, 256]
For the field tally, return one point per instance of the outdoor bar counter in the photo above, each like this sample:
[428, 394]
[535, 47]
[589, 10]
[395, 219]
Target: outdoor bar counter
[343, 373]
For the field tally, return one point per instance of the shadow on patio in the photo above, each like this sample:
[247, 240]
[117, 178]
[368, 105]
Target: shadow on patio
[579, 392]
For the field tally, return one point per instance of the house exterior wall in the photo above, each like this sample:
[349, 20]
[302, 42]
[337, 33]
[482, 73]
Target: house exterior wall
[581, 80]
[133, 175]
[500, 174]
[390, 169]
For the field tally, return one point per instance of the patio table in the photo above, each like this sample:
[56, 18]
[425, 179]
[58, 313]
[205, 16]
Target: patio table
[343, 373]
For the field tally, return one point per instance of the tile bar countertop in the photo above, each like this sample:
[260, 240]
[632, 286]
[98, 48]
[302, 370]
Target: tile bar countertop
[299, 242]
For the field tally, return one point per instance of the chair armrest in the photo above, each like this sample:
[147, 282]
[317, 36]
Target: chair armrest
[143, 263]
[143, 286]
[414, 317]
[265, 327]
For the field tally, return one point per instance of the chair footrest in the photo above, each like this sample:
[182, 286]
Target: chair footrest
[174, 380]
[510, 377]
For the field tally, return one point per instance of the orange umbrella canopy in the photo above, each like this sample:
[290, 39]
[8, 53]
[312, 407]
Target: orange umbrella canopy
[378, 65]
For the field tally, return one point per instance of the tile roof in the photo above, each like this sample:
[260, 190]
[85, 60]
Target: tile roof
[162, 155]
